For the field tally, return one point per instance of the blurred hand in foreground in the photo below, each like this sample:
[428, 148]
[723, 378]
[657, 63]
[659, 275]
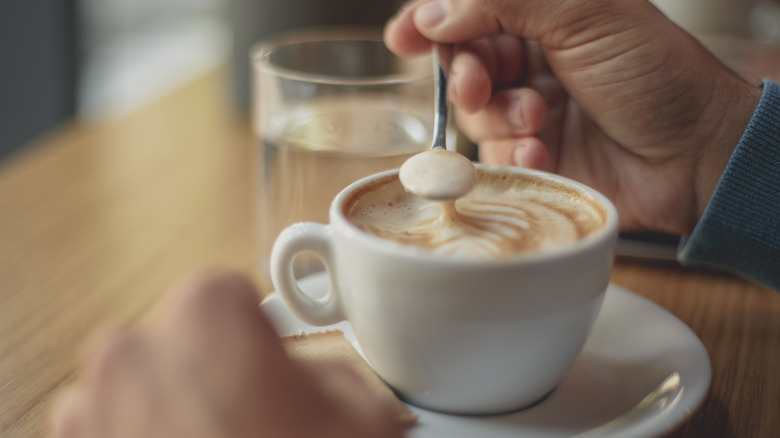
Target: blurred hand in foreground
[209, 364]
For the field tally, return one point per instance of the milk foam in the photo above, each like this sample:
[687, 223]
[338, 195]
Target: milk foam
[438, 174]
[503, 215]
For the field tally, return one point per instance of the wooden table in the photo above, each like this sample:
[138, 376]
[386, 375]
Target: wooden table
[96, 221]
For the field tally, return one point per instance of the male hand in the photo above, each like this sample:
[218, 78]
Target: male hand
[607, 92]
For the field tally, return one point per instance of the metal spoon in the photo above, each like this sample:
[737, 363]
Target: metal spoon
[442, 103]
[439, 174]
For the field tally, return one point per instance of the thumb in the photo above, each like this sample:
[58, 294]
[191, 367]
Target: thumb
[555, 23]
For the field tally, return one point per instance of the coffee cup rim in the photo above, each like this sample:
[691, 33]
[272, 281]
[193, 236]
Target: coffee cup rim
[607, 232]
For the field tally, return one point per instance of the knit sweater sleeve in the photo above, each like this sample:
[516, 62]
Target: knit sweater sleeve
[740, 228]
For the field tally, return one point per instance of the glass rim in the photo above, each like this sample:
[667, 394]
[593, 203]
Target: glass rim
[260, 51]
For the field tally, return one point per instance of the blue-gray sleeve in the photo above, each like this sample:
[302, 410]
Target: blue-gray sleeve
[740, 228]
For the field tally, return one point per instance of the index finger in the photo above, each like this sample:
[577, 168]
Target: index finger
[401, 35]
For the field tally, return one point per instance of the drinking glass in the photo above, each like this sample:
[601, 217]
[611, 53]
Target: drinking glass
[330, 106]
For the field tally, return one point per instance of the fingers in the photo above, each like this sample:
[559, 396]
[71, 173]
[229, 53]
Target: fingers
[556, 24]
[527, 152]
[214, 330]
[481, 66]
[117, 395]
[483, 71]
[443, 21]
[511, 113]
[209, 365]
[415, 26]
[553, 22]
[447, 21]
[478, 66]
[469, 85]
[210, 307]
[402, 37]
[505, 129]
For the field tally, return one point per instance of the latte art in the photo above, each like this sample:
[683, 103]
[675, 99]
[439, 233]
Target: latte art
[504, 215]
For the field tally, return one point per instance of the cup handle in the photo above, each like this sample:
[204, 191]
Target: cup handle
[299, 237]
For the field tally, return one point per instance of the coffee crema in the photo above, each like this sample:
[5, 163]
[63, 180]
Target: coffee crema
[506, 214]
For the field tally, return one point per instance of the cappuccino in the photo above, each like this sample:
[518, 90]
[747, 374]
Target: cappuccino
[506, 214]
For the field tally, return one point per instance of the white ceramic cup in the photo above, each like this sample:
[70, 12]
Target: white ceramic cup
[454, 335]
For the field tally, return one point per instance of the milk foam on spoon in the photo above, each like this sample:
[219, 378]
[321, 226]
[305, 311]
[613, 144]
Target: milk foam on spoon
[438, 174]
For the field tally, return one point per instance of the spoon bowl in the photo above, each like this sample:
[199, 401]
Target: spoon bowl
[439, 174]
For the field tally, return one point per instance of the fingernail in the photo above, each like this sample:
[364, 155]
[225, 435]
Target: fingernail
[431, 14]
[515, 113]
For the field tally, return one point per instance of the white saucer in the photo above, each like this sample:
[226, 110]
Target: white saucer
[641, 373]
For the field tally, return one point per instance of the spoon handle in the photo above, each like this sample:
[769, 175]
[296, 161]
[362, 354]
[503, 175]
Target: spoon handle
[441, 55]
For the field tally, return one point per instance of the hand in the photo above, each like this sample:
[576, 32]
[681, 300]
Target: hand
[607, 92]
[210, 365]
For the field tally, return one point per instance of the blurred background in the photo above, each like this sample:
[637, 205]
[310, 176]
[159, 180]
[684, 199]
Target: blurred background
[99, 59]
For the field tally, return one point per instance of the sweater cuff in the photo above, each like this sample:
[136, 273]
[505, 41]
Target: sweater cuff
[740, 228]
